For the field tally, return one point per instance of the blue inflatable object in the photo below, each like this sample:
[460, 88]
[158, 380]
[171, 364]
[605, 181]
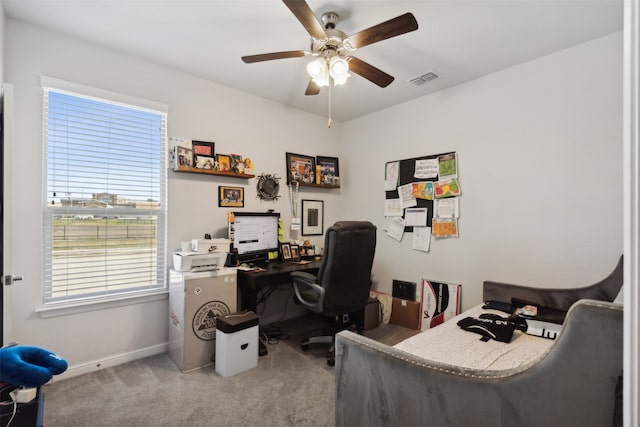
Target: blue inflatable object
[29, 366]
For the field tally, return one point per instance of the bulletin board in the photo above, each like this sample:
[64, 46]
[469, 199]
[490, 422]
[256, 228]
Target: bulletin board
[437, 173]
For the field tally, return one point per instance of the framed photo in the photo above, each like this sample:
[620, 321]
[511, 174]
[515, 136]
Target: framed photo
[237, 164]
[301, 168]
[312, 217]
[329, 170]
[285, 250]
[295, 253]
[183, 157]
[203, 154]
[224, 162]
[230, 196]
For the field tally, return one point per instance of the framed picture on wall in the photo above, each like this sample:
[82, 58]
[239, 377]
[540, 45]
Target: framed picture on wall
[329, 170]
[312, 217]
[230, 196]
[301, 168]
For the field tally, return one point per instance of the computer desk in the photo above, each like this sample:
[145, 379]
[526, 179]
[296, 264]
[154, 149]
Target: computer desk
[276, 273]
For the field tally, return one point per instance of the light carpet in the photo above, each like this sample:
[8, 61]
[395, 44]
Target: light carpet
[286, 389]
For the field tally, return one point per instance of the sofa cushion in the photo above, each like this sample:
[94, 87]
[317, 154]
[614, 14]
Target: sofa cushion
[449, 344]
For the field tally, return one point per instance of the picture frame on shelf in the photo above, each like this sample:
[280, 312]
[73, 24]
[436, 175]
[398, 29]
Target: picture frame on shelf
[183, 157]
[236, 165]
[329, 170]
[301, 168]
[312, 217]
[224, 162]
[295, 253]
[204, 156]
[285, 251]
[230, 196]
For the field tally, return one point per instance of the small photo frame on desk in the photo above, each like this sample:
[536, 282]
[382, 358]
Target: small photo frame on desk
[295, 253]
[312, 217]
[230, 196]
[285, 251]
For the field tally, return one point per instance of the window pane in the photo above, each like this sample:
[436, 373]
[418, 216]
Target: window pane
[106, 198]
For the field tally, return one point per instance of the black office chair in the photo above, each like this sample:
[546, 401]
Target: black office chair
[344, 277]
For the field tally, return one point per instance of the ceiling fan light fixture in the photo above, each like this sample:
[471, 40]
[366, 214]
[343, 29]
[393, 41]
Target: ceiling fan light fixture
[317, 67]
[338, 68]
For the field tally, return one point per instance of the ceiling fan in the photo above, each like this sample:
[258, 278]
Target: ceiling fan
[333, 48]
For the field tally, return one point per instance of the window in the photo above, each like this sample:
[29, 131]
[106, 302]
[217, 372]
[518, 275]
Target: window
[106, 198]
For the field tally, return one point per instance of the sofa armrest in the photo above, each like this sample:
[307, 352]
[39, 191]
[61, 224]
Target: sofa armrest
[573, 384]
[605, 290]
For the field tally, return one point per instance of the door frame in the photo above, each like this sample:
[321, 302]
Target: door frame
[6, 265]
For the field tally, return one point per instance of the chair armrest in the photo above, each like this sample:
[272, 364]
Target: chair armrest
[306, 281]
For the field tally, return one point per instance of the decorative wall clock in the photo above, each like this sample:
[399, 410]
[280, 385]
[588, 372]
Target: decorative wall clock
[268, 187]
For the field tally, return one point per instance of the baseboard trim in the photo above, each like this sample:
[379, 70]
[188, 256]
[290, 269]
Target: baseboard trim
[111, 361]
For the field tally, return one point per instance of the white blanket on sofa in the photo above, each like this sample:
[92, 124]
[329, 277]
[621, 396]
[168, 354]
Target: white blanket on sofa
[448, 343]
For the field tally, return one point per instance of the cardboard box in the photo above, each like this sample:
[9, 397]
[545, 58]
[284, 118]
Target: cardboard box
[405, 313]
[440, 302]
[205, 246]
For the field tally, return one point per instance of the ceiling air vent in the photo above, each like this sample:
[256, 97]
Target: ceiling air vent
[423, 79]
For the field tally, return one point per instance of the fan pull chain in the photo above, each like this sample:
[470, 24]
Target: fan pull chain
[330, 86]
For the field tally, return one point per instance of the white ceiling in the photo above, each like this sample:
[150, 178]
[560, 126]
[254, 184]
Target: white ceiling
[459, 39]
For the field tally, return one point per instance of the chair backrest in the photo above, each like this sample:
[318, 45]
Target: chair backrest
[345, 271]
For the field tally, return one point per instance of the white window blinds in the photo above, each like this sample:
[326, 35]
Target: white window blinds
[106, 198]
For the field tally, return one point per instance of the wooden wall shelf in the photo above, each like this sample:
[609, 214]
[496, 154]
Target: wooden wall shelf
[304, 184]
[213, 172]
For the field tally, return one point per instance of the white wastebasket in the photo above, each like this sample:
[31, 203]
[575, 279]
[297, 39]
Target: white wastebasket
[236, 343]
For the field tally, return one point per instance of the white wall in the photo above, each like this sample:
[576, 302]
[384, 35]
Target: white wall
[236, 121]
[2, 40]
[540, 165]
[539, 150]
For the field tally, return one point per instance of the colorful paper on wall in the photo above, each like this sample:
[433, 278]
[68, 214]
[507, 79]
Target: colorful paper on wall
[448, 166]
[444, 227]
[422, 190]
[446, 188]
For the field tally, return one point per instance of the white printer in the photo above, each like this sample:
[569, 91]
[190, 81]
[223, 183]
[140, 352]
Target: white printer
[194, 261]
[205, 255]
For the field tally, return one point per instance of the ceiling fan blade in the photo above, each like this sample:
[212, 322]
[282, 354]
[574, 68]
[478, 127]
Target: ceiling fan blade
[307, 18]
[385, 30]
[312, 88]
[369, 72]
[274, 55]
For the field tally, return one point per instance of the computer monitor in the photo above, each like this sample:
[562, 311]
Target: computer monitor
[255, 234]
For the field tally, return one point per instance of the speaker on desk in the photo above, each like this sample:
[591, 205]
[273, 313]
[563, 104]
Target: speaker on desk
[370, 316]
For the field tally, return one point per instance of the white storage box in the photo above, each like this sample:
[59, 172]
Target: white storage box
[207, 246]
[236, 343]
[196, 300]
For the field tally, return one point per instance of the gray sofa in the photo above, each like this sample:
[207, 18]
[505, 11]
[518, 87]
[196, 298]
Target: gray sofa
[574, 384]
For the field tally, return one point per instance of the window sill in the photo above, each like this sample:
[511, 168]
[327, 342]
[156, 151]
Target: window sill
[84, 307]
